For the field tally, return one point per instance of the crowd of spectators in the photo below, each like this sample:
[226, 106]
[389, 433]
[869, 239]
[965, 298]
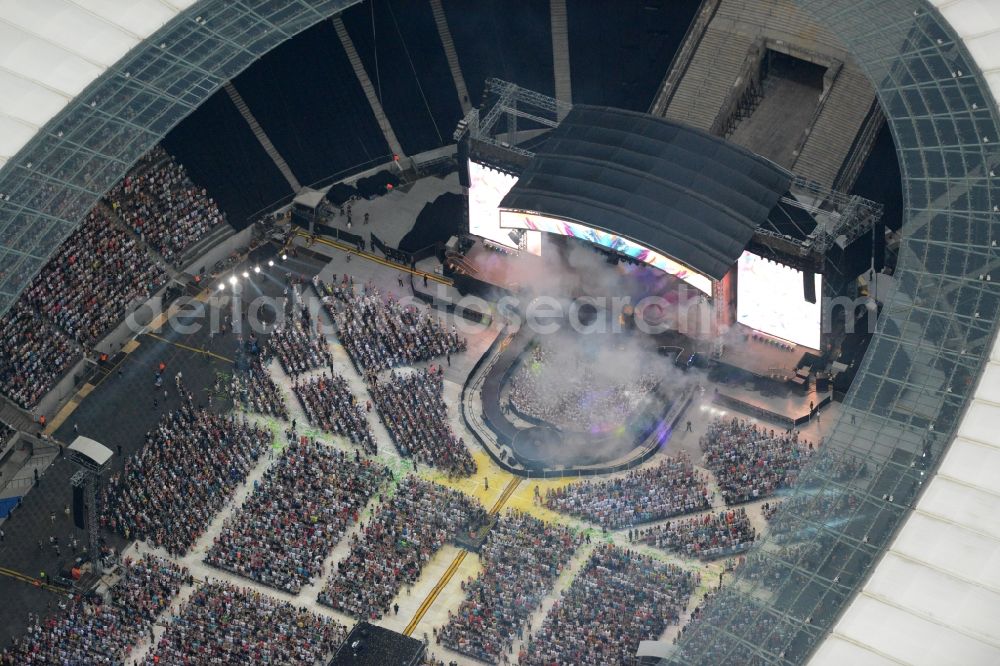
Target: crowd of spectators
[521, 560]
[588, 399]
[814, 506]
[33, 355]
[670, 488]
[97, 629]
[330, 406]
[298, 350]
[255, 390]
[225, 624]
[707, 537]
[296, 515]
[87, 287]
[394, 546]
[380, 333]
[164, 208]
[413, 410]
[189, 466]
[618, 599]
[750, 461]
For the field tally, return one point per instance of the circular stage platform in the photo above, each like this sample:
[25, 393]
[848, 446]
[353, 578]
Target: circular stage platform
[539, 446]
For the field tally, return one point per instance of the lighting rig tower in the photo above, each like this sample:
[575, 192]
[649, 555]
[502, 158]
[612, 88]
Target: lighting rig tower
[94, 459]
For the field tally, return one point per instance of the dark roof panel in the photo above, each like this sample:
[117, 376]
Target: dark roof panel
[689, 195]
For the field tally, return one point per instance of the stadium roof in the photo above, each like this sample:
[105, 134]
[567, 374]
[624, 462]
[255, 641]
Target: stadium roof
[935, 595]
[687, 194]
[89, 86]
[50, 50]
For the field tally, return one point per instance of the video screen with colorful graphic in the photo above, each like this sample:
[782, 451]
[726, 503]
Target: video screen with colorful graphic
[520, 220]
[487, 187]
[769, 299]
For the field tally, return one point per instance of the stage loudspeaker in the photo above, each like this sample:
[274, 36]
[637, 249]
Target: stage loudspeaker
[462, 158]
[878, 247]
[809, 286]
[79, 510]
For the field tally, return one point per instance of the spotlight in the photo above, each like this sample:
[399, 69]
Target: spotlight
[232, 280]
[284, 256]
[246, 274]
[270, 262]
[256, 269]
[222, 286]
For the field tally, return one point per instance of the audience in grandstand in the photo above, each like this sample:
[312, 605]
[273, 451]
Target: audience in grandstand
[296, 515]
[87, 287]
[255, 391]
[380, 333]
[99, 630]
[190, 465]
[541, 389]
[706, 537]
[394, 546]
[750, 461]
[33, 355]
[225, 624]
[297, 349]
[618, 599]
[670, 488]
[330, 405]
[413, 410]
[164, 208]
[521, 559]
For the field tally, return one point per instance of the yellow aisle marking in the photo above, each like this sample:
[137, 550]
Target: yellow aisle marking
[453, 567]
[378, 260]
[190, 348]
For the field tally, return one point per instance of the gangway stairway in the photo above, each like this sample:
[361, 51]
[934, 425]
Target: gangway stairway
[366, 85]
[444, 32]
[262, 137]
[560, 53]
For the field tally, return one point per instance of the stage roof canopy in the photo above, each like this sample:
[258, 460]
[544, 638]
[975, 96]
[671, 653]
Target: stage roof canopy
[680, 191]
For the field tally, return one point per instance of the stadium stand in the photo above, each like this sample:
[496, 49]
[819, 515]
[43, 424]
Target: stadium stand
[421, 104]
[510, 41]
[165, 208]
[33, 355]
[619, 58]
[315, 115]
[222, 154]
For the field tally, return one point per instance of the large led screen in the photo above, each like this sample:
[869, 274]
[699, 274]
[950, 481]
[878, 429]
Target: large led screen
[769, 299]
[487, 187]
[520, 220]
